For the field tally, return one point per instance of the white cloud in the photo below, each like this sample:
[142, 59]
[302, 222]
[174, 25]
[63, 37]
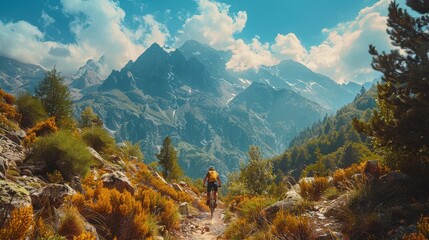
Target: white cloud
[46, 20]
[289, 46]
[98, 26]
[212, 25]
[245, 56]
[344, 55]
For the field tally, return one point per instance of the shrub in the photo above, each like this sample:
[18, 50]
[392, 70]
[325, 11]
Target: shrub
[288, 226]
[8, 113]
[43, 128]
[121, 215]
[19, 225]
[313, 189]
[85, 236]
[63, 152]
[132, 150]
[71, 224]
[99, 139]
[422, 230]
[331, 193]
[30, 108]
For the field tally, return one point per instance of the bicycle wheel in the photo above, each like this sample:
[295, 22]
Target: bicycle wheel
[212, 204]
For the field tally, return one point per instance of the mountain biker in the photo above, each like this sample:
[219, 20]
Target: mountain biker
[213, 181]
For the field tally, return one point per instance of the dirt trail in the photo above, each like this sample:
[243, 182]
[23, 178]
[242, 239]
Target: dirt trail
[201, 227]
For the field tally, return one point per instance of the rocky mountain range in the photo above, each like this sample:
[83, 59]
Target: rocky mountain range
[212, 113]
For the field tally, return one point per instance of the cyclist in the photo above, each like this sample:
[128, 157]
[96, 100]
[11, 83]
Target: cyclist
[213, 181]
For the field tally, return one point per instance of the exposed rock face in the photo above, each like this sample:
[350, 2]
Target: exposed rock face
[117, 180]
[13, 194]
[291, 201]
[51, 195]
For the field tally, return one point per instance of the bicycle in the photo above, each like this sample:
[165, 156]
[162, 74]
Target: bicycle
[212, 202]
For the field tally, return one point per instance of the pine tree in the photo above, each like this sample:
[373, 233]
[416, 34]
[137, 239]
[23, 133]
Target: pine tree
[400, 126]
[89, 119]
[169, 161]
[55, 96]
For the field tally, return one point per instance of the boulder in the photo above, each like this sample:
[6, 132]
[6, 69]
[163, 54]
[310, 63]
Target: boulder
[11, 194]
[372, 170]
[183, 184]
[51, 195]
[393, 178]
[183, 209]
[117, 180]
[291, 201]
[336, 206]
[99, 159]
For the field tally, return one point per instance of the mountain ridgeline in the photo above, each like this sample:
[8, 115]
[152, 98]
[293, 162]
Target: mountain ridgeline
[212, 113]
[185, 94]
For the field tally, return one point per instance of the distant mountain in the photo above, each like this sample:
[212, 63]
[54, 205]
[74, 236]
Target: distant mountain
[88, 75]
[16, 76]
[331, 143]
[176, 94]
[293, 75]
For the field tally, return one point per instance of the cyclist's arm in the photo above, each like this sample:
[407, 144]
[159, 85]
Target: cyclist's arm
[204, 181]
[219, 181]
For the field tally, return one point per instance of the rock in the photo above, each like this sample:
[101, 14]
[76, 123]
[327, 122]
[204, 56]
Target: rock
[14, 138]
[115, 158]
[159, 177]
[51, 195]
[26, 172]
[3, 166]
[13, 194]
[100, 160]
[291, 201]
[177, 187]
[117, 180]
[76, 184]
[1, 149]
[20, 133]
[183, 209]
[372, 170]
[183, 184]
[336, 207]
[393, 178]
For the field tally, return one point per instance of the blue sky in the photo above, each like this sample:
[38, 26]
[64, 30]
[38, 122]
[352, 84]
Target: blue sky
[330, 36]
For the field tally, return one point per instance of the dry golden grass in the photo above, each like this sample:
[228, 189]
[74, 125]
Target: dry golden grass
[288, 226]
[312, 190]
[71, 224]
[19, 225]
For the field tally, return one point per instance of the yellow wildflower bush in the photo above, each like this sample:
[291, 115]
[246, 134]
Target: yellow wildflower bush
[19, 225]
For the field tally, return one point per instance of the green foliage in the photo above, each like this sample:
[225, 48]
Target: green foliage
[55, 96]
[326, 145]
[169, 161]
[400, 126]
[99, 139]
[132, 150]
[89, 119]
[30, 108]
[63, 152]
[253, 178]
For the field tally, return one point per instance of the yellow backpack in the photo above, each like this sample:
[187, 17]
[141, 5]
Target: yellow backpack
[212, 176]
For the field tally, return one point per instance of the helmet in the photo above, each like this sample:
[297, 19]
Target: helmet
[211, 168]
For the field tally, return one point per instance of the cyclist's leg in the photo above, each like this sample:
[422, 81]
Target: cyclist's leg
[215, 191]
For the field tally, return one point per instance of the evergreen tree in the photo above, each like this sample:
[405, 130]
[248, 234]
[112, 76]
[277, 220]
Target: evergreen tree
[55, 96]
[257, 175]
[30, 108]
[89, 119]
[401, 124]
[169, 161]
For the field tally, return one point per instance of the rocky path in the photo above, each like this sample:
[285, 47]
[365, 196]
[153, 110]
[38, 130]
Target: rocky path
[201, 227]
